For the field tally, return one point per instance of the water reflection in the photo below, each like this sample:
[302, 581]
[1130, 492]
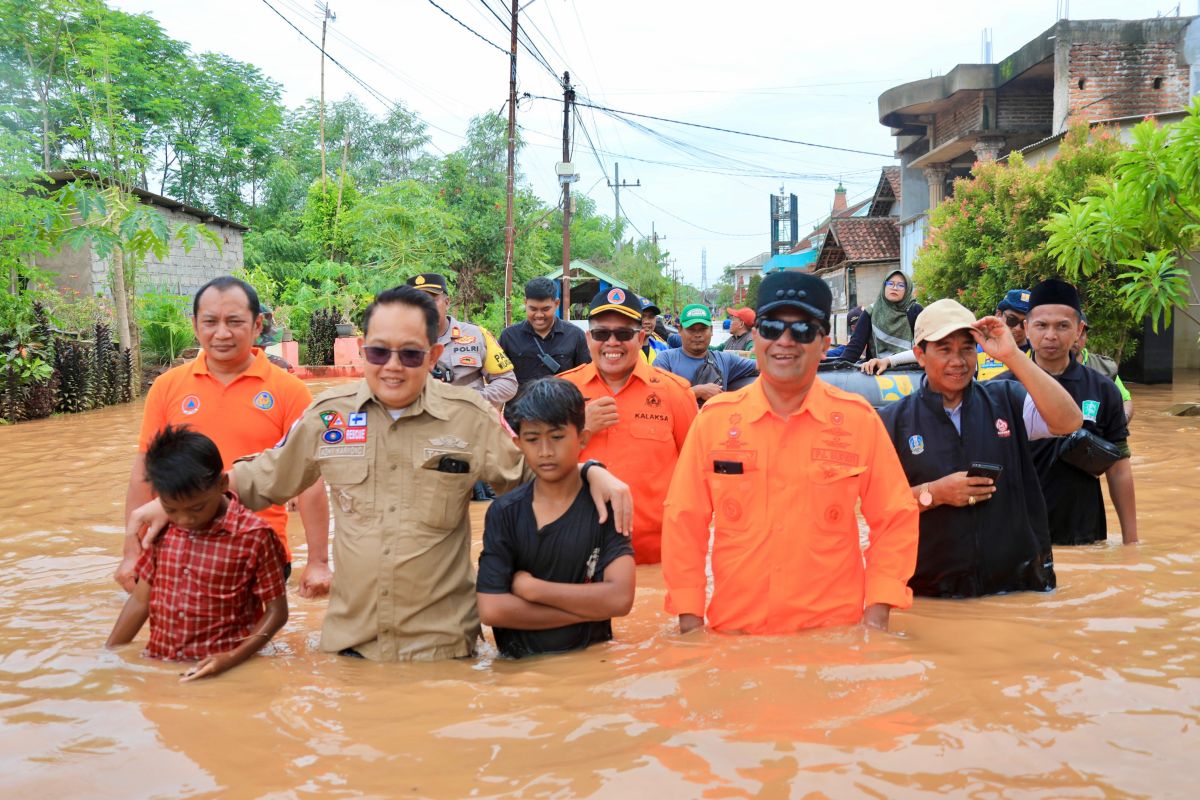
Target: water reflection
[1091, 691]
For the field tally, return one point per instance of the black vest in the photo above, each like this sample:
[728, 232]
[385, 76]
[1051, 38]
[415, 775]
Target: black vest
[999, 545]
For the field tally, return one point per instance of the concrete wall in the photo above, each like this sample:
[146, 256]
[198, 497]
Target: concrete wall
[966, 114]
[1023, 107]
[869, 277]
[70, 269]
[182, 272]
[1187, 332]
[912, 237]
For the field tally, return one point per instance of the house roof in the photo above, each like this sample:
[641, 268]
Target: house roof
[887, 193]
[66, 176]
[867, 238]
[859, 240]
[578, 266]
[756, 262]
[858, 209]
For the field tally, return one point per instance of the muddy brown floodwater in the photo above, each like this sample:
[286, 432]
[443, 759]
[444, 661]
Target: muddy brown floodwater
[1091, 691]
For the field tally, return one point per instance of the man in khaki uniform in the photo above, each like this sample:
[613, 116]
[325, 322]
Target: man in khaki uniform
[399, 453]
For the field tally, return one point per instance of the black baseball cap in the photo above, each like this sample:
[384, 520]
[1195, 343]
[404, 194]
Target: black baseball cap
[801, 290]
[429, 282]
[621, 301]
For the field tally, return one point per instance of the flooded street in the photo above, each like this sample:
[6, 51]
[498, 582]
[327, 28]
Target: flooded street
[1091, 691]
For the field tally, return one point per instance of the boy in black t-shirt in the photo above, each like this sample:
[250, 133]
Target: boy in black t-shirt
[551, 576]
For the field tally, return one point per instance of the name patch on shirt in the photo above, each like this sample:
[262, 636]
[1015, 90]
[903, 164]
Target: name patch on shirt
[836, 456]
[341, 450]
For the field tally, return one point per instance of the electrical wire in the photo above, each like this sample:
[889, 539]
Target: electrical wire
[692, 224]
[618, 112]
[375, 93]
[468, 27]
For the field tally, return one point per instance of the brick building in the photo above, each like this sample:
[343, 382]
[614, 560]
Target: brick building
[180, 272]
[1076, 71]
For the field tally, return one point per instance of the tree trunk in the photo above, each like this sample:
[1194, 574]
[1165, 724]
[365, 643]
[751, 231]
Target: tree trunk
[123, 297]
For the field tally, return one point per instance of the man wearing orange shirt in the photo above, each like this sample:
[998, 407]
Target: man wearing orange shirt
[638, 416]
[781, 465]
[237, 398]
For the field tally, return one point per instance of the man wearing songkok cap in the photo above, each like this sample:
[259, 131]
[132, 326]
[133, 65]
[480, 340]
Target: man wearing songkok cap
[1070, 469]
[965, 450]
[776, 471]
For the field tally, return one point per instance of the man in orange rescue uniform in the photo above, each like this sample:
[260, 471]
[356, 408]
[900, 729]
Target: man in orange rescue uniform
[638, 416]
[781, 464]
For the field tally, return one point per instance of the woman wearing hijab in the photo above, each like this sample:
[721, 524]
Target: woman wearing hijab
[885, 330]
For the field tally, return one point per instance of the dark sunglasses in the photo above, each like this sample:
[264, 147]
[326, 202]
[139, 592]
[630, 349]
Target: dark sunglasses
[802, 332]
[621, 334]
[1013, 322]
[409, 357]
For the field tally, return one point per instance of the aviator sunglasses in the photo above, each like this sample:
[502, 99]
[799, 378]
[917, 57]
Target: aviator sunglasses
[409, 357]
[802, 332]
[621, 334]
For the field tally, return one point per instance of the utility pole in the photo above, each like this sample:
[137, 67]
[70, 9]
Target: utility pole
[616, 185]
[512, 145]
[568, 99]
[327, 16]
[655, 239]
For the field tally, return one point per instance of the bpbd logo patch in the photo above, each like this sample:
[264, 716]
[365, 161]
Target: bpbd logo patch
[190, 405]
[616, 296]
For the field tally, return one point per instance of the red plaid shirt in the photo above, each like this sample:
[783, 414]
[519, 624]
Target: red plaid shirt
[208, 588]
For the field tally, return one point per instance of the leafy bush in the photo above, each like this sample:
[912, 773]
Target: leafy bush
[322, 332]
[166, 331]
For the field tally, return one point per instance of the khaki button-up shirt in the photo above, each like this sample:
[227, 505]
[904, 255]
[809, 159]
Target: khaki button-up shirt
[404, 587]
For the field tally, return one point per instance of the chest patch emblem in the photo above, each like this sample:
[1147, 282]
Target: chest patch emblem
[358, 419]
[916, 444]
[190, 405]
[468, 361]
[332, 419]
[452, 442]
[653, 401]
[1002, 429]
[1091, 410]
[332, 436]
[264, 401]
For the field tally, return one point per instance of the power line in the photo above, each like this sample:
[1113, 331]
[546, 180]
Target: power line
[375, 93]
[721, 130]
[468, 27]
[692, 224]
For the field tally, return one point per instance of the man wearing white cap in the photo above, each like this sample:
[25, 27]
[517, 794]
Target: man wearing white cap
[964, 446]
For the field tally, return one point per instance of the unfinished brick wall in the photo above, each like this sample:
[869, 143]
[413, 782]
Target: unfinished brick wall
[1025, 108]
[1124, 80]
[965, 115]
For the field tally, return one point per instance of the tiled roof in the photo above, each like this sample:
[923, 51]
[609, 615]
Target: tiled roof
[892, 174]
[823, 228]
[867, 238]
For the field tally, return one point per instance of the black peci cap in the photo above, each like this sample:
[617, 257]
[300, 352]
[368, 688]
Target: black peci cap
[797, 290]
[1053, 292]
[621, 301]
[429, 282]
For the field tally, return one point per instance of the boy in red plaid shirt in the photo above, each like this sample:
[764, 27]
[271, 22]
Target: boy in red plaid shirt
[212, 584]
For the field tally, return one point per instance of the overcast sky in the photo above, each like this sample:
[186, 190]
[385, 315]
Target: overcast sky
[810, 71]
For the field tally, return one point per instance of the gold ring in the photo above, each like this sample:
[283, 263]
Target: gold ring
[971, 500]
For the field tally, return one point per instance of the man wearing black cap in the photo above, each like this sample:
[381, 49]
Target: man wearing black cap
[1069, 468]
[637, 416]
[777, 470]
[471, 357]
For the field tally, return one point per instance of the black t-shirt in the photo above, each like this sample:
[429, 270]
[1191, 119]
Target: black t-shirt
[1000, 545]
[575, 548]
[1074, 502]
[565, 343]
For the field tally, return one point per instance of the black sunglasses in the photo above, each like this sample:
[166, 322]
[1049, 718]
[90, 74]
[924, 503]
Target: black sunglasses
[1013, 321]
[802, 332]
[409, 357]
[621, 334]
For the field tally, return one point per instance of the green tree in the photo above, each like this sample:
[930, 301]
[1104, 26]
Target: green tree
[1139, 222]
[989, 236]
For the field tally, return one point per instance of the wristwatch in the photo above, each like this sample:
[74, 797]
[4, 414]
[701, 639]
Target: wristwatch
[591, 462]
[925, 498]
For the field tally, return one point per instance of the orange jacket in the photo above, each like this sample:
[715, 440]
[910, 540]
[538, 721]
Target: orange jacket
[656, 409]
[786, 552]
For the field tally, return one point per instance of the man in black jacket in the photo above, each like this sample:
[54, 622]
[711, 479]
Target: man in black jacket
[979, 535]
